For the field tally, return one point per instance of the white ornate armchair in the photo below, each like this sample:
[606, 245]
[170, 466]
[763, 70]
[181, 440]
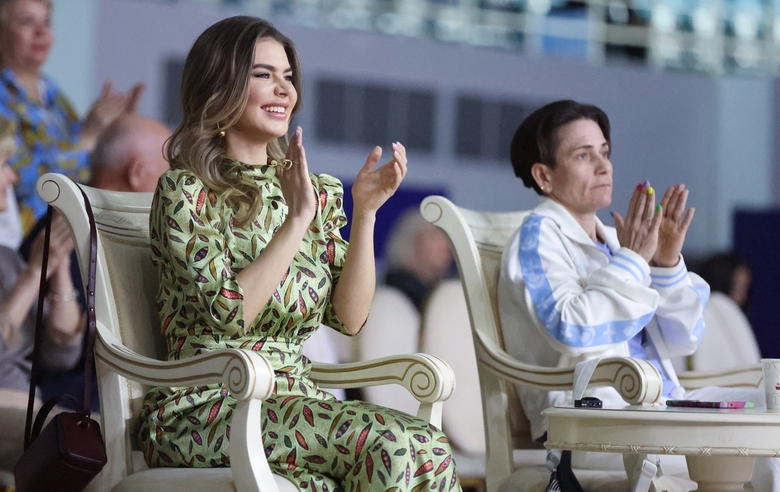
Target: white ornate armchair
[130, 356]
[478, 239]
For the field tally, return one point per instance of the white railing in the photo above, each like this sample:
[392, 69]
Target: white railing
[704, 35]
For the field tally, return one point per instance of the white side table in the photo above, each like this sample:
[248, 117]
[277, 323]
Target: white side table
[720, 446]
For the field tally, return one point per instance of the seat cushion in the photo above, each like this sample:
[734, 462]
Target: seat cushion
[187, 480]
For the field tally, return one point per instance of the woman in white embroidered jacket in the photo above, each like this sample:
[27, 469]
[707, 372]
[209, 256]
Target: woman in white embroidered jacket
[572, 288]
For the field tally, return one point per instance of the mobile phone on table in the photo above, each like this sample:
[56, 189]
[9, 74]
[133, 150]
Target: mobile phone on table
[709, 404]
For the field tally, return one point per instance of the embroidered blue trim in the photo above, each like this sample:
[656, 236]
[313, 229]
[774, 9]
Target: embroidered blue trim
[538, 286]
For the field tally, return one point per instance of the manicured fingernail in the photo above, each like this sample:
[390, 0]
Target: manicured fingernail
[612, 214]
[397, 154]
[647, 184]
[650, 190]
[658, 207]
[639, 187]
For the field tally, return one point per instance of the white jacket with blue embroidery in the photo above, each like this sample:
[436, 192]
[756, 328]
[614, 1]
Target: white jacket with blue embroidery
[563, 300]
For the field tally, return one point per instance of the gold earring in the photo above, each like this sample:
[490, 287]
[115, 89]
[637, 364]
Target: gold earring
[542, 187]
[221, 131]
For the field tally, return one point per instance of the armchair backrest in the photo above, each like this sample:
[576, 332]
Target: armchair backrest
[126, 287]
[478, 240]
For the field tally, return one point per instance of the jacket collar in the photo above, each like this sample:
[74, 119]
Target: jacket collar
[571, 228]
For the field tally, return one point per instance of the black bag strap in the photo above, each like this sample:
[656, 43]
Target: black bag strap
[30, 432]
[38, 331]
[91, 321]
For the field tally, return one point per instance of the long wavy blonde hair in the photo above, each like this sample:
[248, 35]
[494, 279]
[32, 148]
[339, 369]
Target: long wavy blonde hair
[214, 93]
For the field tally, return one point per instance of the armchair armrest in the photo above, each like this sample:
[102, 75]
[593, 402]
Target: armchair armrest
[247, 375]
[637, 380]
[429, 379]
[743, 377]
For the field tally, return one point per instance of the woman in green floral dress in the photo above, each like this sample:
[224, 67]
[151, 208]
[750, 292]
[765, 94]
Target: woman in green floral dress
[250, 255]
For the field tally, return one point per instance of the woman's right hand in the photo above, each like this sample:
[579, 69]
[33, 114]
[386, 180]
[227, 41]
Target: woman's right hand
[107, 108]
[296, 184]
[639, 230]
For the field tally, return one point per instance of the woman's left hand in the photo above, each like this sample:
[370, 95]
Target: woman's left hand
[373, 187]
[674, 226]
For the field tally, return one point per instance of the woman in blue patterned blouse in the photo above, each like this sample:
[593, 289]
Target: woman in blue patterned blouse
[49, 134]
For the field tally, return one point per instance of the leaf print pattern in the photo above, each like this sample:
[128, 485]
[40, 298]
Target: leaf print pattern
[314, 440]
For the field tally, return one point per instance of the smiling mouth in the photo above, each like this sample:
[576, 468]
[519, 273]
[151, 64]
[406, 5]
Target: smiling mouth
[276, 111]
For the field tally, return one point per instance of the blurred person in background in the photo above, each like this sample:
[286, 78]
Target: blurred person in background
[63, 322]
[729, 341]
[418, 257]
[128, 157]
[49, 135]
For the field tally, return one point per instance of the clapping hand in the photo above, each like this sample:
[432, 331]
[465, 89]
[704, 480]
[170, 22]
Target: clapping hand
[107, 108]
[639, 230]
[295, 181]
[674, 226]
[373, 187]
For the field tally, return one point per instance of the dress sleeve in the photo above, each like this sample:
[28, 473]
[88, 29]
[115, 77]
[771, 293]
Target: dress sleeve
[332, 218]
[580, 315]
[680, 313]
[189, 245]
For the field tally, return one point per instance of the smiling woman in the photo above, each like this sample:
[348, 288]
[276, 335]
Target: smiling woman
[250, 255]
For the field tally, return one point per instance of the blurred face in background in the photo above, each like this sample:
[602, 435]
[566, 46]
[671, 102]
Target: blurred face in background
[25, 34]
[432, 254]
[740, 285]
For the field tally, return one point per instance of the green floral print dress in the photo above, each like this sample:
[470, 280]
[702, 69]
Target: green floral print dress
[319, 443]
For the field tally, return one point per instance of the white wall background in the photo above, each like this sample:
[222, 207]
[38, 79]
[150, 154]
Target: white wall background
[714, 134]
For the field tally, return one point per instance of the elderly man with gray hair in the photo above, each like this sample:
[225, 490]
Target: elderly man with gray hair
[129, 156]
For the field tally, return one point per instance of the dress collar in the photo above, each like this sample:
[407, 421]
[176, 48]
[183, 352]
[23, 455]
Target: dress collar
[250, 170]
